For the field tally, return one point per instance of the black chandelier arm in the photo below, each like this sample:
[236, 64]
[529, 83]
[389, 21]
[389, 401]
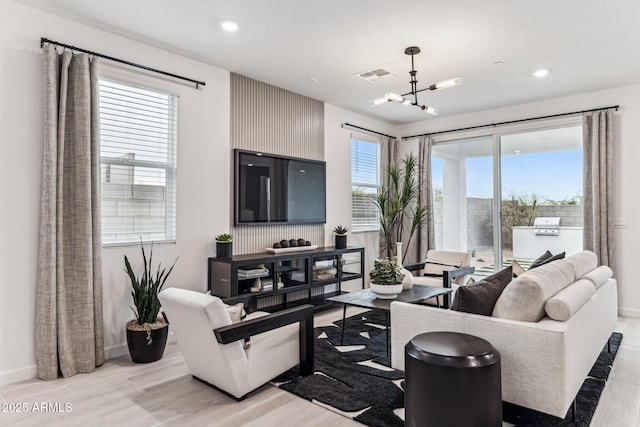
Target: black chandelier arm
[413, 92]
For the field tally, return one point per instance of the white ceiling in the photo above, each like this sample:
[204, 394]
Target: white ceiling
[586, 44]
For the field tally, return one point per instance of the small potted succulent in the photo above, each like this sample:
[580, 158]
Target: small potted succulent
[385, 280]
[341, 237]
[224, 245]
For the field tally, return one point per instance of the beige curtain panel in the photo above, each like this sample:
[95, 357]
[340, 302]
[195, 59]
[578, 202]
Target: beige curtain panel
[426, 236]
[69, 322]
[388, 156]
[597, 128]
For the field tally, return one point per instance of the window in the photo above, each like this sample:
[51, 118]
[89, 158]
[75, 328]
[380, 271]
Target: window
[489, 188]
[364, 184]
[138, 134]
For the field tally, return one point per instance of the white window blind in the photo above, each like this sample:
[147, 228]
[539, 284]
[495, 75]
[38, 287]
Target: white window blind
[138, 138]
[364, 184]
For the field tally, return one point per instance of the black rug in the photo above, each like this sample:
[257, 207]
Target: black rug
[355, 379]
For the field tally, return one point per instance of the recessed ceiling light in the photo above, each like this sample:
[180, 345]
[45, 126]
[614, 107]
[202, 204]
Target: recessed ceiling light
[229, 25]
[541, 73]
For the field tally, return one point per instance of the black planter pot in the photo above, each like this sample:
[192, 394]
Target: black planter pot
[148, 345]
[224, 250]
[341, 241]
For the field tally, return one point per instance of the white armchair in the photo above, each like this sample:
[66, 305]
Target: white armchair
[213, 346]
[443, 268]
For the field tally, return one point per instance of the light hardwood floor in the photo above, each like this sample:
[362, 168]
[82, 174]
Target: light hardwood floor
[163, 393]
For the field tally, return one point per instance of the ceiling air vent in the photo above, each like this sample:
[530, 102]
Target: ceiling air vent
[375, 75]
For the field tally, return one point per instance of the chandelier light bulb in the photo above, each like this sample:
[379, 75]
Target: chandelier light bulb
[430, 110]
[449, 83]
[394, 97]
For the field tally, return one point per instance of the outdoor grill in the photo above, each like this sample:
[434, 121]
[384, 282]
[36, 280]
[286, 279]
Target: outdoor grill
[545, 235]
[546, 226]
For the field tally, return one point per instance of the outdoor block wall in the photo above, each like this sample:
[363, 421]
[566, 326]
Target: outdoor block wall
[480, 224]
[129, 207]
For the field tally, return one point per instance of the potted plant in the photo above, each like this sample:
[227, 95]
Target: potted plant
[147, 333]
[341, 236]
[399, 213]
[224, 245]
[386, 278]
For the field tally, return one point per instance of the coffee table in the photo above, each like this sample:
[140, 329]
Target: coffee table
[365, 298]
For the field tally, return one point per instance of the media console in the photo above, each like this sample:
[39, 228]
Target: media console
[273, 282]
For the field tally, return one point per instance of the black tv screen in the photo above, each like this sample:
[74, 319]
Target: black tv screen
[271, 189]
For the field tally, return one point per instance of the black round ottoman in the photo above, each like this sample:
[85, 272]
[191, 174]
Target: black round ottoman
[452, 379]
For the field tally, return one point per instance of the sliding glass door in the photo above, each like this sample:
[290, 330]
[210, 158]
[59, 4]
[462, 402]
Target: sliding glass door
[541, 175]
[463, 198]
[488, 190]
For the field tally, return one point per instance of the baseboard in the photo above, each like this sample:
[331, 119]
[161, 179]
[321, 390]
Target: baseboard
[31, 372]
[17, 375]
[628, 312]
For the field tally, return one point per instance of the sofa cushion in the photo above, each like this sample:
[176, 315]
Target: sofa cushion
[583, 262]
[524, 298]
[568, 301]
[480, 297]
[598, 276]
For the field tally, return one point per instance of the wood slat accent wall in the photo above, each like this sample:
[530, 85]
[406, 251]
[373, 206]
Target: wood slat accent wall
[273, 120]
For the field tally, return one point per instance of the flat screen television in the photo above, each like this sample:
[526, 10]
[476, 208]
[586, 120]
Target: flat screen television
[272, 189]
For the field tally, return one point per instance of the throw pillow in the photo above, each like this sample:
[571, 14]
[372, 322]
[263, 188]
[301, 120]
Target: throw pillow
[561, 255]
[481, 297]
[517, 268]
[538, 261]
[568, 301]
[236, 312]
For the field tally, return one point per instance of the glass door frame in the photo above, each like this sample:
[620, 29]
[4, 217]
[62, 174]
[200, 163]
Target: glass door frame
[495, 133]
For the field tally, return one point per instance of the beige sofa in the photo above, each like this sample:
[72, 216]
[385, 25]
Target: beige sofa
[544, 361]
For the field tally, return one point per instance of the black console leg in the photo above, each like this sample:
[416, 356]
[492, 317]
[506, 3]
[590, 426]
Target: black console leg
[573, 410]
[609, 345]
[344, 315]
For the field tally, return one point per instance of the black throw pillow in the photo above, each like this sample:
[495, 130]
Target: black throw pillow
[561, 255]
[480, 297]
[542, 258]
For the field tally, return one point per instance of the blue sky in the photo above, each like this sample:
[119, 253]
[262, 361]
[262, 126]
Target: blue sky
[555, 175]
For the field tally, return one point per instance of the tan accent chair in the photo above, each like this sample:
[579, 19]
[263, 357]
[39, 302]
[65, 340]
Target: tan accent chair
[447, 269]
[213, 346]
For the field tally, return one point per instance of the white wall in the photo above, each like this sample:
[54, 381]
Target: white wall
[627, 173]
[337, 147]
[203, 176]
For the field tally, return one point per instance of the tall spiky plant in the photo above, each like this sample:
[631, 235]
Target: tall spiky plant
[398, 206]
[146, 288]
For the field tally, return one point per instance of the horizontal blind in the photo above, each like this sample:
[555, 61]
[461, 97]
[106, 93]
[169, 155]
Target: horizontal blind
[364, 184]
[138, 139]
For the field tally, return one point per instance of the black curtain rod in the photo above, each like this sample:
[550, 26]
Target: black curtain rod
[514, 121]
[44, 41]
[368, 130]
